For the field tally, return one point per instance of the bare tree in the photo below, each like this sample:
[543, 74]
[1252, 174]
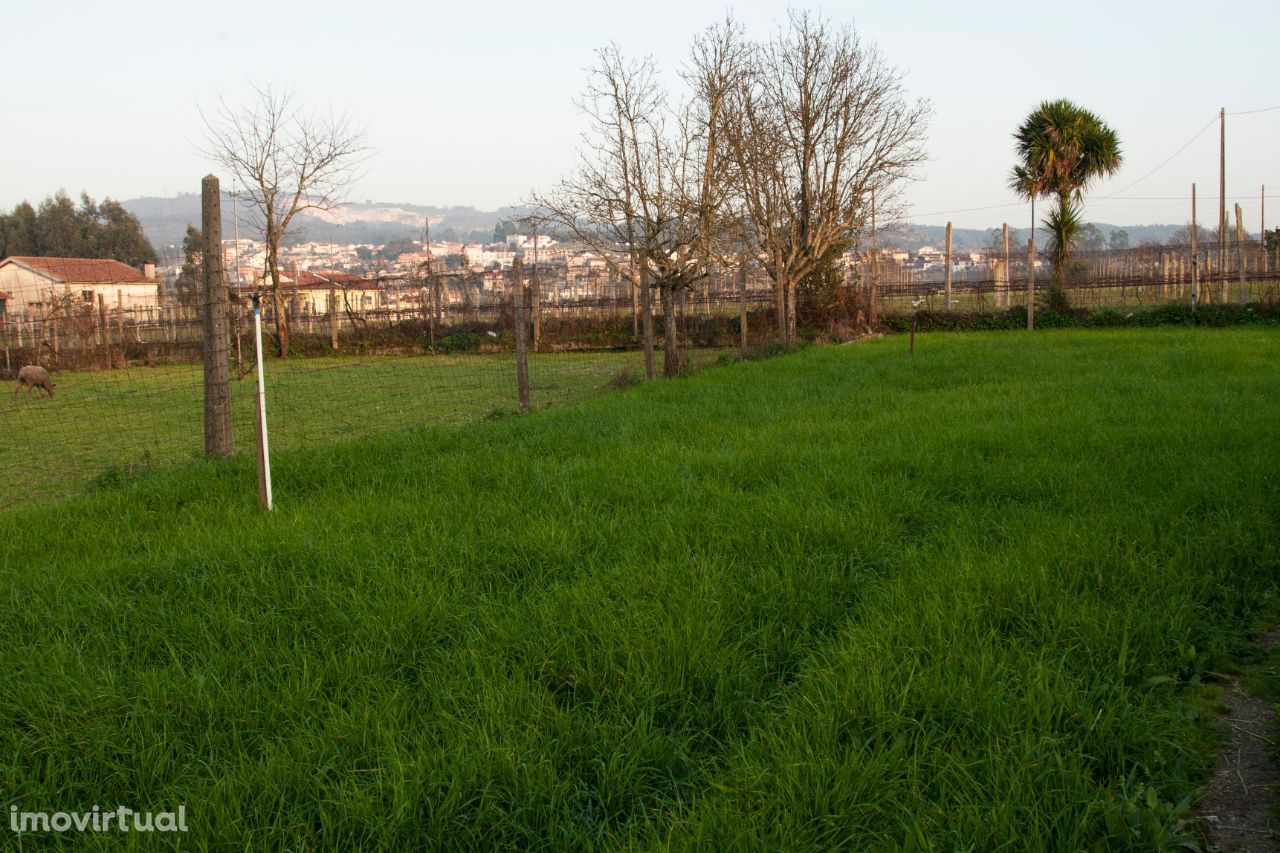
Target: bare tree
[287, 161]
[638, 192]
[716, 68]
[815, 122]
[1182, 237]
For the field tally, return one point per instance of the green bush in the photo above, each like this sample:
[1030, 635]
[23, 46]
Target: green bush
[1264, 313]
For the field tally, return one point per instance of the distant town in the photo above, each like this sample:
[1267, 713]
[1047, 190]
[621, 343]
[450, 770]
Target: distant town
[385, 271]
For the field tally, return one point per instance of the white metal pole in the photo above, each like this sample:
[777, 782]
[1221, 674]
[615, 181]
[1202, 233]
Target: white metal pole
[264, 459]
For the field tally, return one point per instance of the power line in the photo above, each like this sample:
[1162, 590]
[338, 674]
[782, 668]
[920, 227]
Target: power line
[1171, 198]
[971, 209]
[1168, 160]
[1251, 112]
[1249, 197]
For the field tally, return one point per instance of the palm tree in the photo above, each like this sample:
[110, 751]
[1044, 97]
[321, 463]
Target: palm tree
[1062, 148]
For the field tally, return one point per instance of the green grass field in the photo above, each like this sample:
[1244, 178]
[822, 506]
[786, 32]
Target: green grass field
[100, 423]
[837, 599]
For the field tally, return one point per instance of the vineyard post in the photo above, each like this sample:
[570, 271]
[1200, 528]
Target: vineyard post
[522, 348]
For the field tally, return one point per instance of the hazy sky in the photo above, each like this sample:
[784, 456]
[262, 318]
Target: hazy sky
[471, 103]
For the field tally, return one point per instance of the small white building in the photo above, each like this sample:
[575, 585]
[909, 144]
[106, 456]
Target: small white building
[35, 283]
[314, 290]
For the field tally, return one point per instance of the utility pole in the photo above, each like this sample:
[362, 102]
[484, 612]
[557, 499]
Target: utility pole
[1262, 226]
[1195, 254]
[1222, 195]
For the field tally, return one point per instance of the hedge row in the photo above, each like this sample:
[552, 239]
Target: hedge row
[1257, 313]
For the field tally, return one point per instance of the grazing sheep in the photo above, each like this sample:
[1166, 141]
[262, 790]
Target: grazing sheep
[33, 376]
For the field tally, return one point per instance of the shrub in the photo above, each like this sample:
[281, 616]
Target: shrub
[1265, 313]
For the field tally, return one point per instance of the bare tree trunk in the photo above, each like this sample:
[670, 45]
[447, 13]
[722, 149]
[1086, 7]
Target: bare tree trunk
[646, 317]
[780, 293]
[791, 311]
[670, 332]
[277, 304]
[635, 302]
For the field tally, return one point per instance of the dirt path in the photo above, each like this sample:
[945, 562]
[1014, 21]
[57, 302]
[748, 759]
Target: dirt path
[1237, 808]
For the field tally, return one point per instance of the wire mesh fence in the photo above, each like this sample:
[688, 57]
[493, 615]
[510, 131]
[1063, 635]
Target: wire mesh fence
[126, 384]
[1130, 278]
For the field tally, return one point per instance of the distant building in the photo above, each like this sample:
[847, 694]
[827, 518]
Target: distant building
[35, 283]
[315, 289]
[523, 242]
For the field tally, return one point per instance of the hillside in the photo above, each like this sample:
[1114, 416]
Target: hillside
[975, 239]
[165, 221]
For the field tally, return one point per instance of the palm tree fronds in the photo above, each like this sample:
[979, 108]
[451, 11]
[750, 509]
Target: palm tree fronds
[1062, 149]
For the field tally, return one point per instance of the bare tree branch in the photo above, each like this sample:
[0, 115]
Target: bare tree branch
[287, 162]
[815, 122]
[638, 191]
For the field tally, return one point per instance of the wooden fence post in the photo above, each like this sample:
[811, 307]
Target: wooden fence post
[1195, 257]
[217, 379]
[522, 347]
[535, 291]
[333, 316]
[1244, 295]
[1008, 271]
[948, 261]
[104, 329]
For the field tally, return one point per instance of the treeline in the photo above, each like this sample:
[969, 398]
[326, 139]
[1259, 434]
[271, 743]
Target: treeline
[60, 229]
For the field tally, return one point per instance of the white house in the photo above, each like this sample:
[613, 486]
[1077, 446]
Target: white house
[314, 290]
[33, 283]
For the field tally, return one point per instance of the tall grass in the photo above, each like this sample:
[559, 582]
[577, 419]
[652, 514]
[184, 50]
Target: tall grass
[843, 598]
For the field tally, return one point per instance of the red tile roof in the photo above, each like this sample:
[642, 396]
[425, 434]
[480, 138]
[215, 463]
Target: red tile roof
[81, 270]
[326, 278]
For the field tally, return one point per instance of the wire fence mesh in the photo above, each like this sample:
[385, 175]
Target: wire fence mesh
[127, 388]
